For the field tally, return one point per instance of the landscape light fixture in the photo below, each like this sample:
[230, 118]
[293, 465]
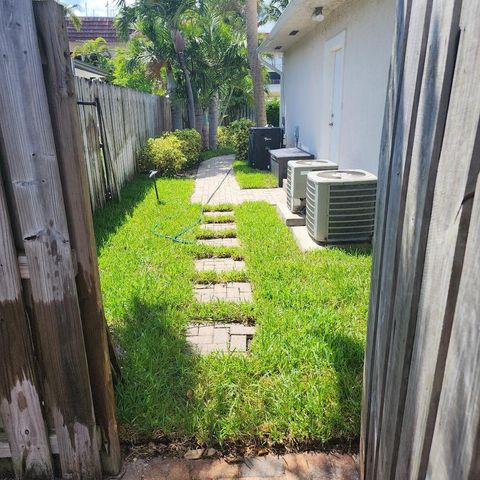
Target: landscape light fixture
[317, 15]
[153, 176]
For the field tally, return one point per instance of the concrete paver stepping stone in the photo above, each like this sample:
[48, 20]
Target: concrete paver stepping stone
[229, 292]
[219, 265]
[218, 214]
[218, 227]
[220, 242]
[219, 337]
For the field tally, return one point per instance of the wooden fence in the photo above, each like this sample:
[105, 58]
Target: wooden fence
[56, 393]
[116, 122]
[421, 408]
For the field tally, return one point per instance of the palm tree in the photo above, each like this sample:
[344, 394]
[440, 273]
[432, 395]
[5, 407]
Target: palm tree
[218, 54]
[245, 12]
[253, 60]
[155, 19]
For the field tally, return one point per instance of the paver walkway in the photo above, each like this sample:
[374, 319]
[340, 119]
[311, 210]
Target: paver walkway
[220, 242]
[210, 174]
[218, 227]
[220, 337]
[302, 466]
[219, 264]
[228, 292]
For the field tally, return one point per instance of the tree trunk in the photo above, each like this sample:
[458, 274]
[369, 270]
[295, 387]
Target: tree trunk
[205, 129]
[213, 121]
[188, 86]
[177, 121]
[254, 62]
[223, 110]
[199, 119]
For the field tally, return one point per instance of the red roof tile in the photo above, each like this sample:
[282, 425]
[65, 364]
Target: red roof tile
[93, 27]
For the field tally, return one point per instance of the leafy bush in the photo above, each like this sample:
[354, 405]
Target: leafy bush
[164, 154]
[191, 146]
[224, 138]
[160, 153]
[239, 132]
[273, 112]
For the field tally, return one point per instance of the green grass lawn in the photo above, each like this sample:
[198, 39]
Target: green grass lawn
[249, 177]
[302, 380]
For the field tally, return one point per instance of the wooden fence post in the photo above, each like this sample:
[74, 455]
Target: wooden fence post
[20, 407]
[59, 82]
[35, 195]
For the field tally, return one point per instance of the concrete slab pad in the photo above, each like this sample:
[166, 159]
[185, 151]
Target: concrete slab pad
[290, 219]
[304, 241]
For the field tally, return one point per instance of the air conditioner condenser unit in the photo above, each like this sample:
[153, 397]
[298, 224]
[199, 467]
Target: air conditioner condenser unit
[341, 206]
[297, 180]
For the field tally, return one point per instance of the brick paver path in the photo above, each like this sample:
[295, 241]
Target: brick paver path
[302, 466]
[229, 292]
[210, 174]
[217, 214]
[219, 337]
[221, 242]
[219, 264]
[218, 227]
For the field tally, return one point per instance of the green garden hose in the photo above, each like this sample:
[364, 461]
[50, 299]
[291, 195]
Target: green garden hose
[177, 238]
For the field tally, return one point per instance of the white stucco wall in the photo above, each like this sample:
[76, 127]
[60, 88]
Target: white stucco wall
[368, 26]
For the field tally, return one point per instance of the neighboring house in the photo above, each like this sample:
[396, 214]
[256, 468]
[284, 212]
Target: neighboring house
[85, 70]
[92, 28]
[273, 63]
[336, 56]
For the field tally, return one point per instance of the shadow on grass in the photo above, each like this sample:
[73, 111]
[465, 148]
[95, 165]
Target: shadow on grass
[108, 219]
[159, 373]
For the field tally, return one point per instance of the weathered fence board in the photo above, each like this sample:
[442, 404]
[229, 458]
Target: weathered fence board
[34, 188]
[52, 34]
[123, 119]
[417, 395]
[20, 407]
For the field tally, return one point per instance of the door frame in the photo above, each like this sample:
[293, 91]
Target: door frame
[332, 46]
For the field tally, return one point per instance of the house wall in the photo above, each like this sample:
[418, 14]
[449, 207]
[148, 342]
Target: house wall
[368, 26]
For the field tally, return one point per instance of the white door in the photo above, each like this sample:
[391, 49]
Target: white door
[334, 81]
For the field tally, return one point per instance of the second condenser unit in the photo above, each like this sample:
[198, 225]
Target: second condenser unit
[279, 161]
[260, 141]
[341, 206]
[297, 180]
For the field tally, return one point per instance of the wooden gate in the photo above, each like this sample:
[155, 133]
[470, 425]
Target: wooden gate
[56, 393]
[421, 408]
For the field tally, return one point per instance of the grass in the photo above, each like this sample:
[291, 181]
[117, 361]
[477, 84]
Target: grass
[302, 380]
[207, 154]
[249, 177]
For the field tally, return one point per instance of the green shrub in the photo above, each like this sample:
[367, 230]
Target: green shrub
[224, 138]
[273, 112]
[191, 142]
[164, 154]
[239, 132]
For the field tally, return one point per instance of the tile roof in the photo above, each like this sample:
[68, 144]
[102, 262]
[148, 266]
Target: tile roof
[93, 27]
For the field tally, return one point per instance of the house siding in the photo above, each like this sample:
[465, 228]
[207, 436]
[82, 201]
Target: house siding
[368, 26]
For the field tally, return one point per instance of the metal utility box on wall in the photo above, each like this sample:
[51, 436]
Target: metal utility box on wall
[279, 161]
[297, 180]
[341, 206]
[260, 141]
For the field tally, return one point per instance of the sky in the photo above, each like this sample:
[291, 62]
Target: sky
[104, 8]
[97, 8]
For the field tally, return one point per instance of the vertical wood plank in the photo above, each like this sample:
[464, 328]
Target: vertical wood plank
[416, 194]
[35, 194]
[457, 174]
[52, 32]
[458, 419]
[20, 407]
